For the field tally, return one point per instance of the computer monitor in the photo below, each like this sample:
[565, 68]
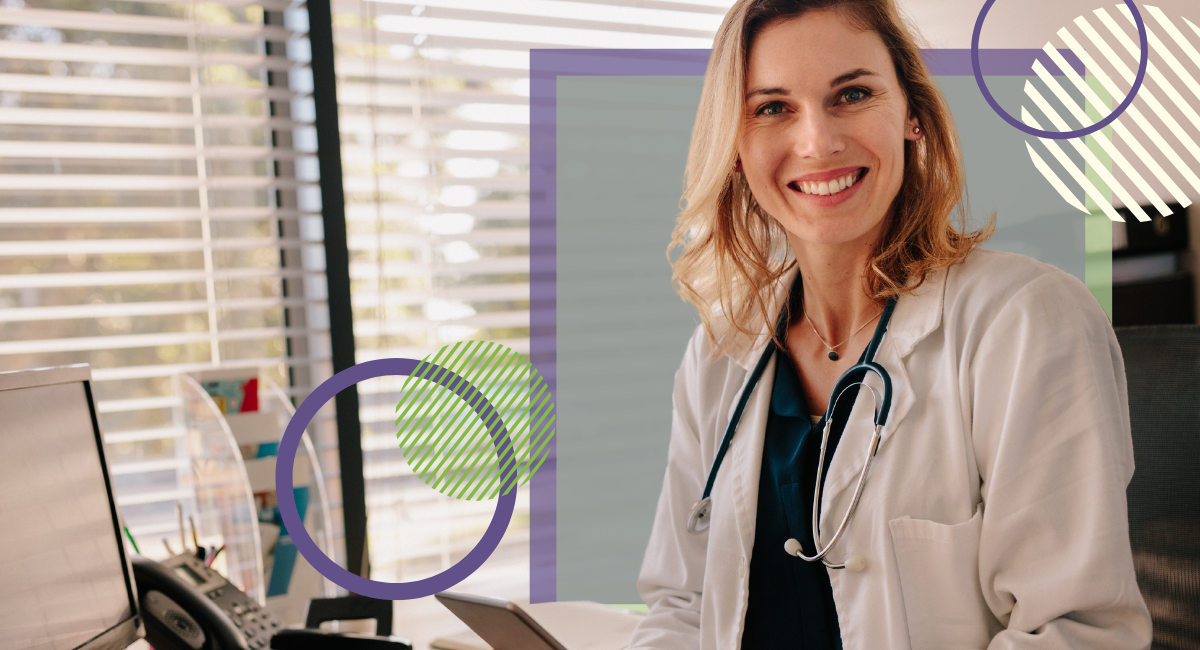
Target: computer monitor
[65, 580]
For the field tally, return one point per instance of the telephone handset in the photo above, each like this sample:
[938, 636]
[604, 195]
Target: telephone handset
[189, 606]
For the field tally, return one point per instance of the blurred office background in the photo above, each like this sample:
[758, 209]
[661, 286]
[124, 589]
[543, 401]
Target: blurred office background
[161, 213]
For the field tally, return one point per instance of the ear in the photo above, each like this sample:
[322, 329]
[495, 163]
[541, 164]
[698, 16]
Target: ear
[913, 130]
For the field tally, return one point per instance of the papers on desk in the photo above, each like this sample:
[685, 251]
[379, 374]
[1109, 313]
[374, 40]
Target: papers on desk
[577, 625]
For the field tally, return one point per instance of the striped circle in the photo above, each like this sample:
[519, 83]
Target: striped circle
[448, 446]
[1156, 160]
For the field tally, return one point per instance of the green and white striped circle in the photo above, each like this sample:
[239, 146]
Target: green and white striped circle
[444, 440]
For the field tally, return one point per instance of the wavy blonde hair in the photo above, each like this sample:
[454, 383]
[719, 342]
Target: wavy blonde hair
[734, 252]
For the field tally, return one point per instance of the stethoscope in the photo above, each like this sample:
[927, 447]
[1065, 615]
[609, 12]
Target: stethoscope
[699, 519]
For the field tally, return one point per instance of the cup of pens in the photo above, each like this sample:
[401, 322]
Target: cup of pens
[207, 554]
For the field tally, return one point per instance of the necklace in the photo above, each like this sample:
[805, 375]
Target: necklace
[833, 355]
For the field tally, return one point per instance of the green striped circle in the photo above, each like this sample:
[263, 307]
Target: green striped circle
[446, 443]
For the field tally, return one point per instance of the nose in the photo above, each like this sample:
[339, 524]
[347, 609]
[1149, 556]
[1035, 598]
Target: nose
[816, 135]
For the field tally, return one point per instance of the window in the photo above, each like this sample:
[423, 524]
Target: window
[158, 215]
[434, 110]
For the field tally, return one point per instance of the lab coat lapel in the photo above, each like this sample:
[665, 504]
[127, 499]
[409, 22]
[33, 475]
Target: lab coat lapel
[747, 448]
[902, 394]
[916, 315]
[747, 451]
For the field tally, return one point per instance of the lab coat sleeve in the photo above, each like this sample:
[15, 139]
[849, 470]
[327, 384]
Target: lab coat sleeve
[1050, 428]
[672, 574]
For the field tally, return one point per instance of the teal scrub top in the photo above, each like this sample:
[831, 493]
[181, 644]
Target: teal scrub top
[791, 600]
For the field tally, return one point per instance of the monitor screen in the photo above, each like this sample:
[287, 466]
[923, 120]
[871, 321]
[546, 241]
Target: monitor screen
[63, 573]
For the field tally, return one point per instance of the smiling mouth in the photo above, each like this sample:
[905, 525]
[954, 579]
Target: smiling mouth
[829, 188]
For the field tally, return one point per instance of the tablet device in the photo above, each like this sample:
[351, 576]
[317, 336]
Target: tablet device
[502, 624]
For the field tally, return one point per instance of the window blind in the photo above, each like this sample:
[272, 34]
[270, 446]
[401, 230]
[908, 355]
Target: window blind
[434, 117]
[159, 215]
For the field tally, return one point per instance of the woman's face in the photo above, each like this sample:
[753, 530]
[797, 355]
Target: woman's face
[823, 128]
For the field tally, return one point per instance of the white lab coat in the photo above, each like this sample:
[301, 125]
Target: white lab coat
[994, 512]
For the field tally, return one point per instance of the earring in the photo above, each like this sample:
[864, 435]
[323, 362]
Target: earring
[916, 130]
[737, 166]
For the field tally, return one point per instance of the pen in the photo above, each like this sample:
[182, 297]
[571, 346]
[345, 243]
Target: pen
[214, 555]
[179, 518]
[167, 545]
[195, 539]
[131, 540]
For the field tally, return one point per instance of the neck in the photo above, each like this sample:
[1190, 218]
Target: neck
[835, 296]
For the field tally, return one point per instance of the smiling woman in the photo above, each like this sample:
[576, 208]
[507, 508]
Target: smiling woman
[890, 102]
[975, 495]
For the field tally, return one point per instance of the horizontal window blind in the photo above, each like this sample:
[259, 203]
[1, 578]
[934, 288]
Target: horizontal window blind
[159, 215]
[434, 116]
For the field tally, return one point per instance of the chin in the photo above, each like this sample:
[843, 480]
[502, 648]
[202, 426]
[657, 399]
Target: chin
[833, 234]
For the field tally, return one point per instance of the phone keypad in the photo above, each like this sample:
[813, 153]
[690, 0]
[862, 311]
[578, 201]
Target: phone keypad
[256, 624]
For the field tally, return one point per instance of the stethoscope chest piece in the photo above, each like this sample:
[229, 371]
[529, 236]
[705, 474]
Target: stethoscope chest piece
[701, 516]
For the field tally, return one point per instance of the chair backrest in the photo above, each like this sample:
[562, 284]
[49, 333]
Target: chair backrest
[1162, 365]
[350, 608]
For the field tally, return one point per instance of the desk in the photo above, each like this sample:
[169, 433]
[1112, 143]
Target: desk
[423, 620]
[420, 621]
[578, 625]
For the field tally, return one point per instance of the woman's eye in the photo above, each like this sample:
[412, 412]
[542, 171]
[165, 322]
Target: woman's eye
[855, 95]
[771, 108]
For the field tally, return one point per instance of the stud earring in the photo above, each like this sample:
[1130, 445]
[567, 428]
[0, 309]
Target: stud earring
[916, 130]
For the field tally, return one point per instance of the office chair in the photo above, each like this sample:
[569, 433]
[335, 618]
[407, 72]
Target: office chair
[349, 608]
[345, 608]
[1162, 366]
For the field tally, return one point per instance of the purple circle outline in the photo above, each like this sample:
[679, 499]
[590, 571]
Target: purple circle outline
[299, 534]
[1143, 60]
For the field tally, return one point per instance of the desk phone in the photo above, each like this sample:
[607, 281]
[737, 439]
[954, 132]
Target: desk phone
[189, 606]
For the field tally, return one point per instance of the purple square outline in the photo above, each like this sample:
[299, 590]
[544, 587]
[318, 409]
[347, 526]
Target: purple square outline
[546, 65]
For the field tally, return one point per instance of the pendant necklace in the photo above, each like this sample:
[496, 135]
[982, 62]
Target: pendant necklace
[833, 355]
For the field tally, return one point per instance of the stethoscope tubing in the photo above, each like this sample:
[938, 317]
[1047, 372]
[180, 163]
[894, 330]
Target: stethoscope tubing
[880, 417]
[737, 417]
[699, 519]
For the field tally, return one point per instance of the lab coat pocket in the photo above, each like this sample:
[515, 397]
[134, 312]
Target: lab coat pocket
[939, 580]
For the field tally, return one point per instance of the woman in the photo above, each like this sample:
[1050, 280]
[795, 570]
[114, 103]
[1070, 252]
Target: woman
[823, 174]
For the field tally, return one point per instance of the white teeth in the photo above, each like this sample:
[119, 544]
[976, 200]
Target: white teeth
[829, 187]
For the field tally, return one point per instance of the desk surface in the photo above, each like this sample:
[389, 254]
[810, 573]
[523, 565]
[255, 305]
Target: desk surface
[417, 621]
[420, 621]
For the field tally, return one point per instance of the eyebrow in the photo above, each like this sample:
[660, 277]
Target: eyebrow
[852, 75]
[849, 76]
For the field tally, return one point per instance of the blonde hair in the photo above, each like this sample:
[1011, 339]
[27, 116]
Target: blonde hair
[734, 252]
